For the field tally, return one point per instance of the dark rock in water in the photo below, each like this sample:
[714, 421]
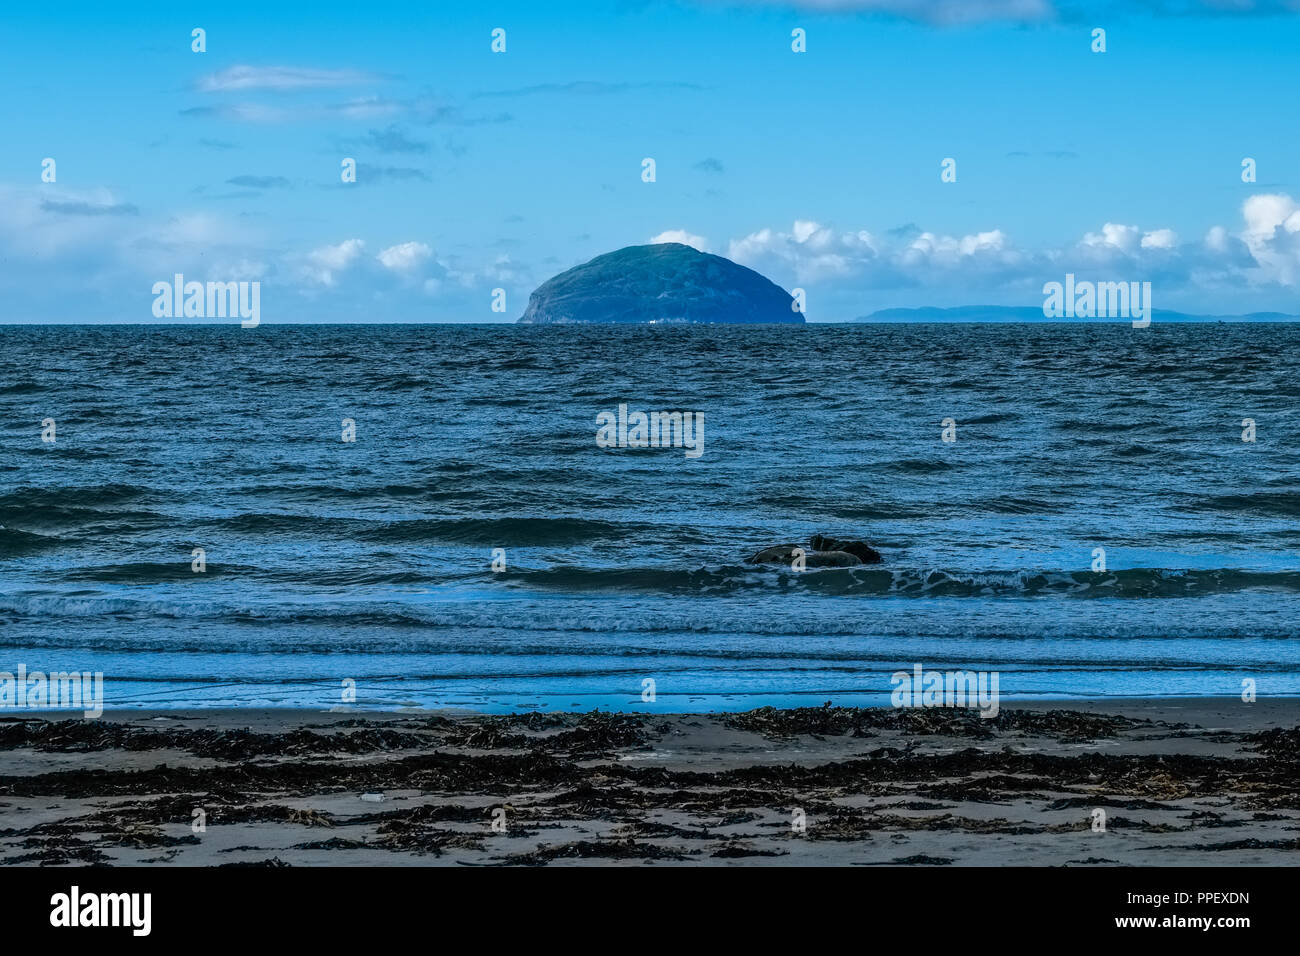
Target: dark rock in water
[859, 549]
[664, 282]
[777, 554]
[822, 552]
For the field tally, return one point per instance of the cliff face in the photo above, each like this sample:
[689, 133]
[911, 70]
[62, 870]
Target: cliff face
[665, 282]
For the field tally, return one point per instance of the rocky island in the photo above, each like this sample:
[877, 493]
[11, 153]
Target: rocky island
[664, 282]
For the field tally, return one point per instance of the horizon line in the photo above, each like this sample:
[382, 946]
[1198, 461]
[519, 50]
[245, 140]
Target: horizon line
[1281, 318]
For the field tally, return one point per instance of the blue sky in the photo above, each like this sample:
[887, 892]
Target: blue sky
[480, 170]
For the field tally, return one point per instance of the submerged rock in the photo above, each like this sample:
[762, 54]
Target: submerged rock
[859, 549]
[822, 552]
[663, 282]
[777, 554]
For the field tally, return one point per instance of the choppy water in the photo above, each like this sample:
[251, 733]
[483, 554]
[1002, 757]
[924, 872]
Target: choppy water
[371, 560]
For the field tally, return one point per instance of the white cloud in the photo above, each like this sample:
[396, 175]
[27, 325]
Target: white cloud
[1123, 238]
[1160, 239]
[752, 247]
[928, 247]
[368, 107]
[195, 230]
[1265, 213]
[280, 78]
[358, 108]
[323, 263]
[810, 251]
[682, 236]
[405, 257]
[504, 269]
[1272, 234]
[35, 225]
[845, 271]
[860, 240]
[807, 231]
[242, 269]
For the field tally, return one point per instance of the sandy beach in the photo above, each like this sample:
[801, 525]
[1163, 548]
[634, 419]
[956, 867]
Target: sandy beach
[1180, 782]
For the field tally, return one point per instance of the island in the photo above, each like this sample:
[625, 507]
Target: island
[664, 282]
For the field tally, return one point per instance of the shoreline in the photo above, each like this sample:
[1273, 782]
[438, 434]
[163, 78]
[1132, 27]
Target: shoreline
[1182, 781]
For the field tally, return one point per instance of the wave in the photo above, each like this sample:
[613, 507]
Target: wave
[151, 572]
[920, 466]
[78, 505]
[14, 542]
[26, 386]
[162, 572]
[1265, 503]
[32, 498]
[494, 597]
[518, 532]
[919, 582]
[733, 630]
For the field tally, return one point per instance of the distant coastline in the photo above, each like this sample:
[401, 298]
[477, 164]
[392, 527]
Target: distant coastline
[960, 315]
[1034, 313]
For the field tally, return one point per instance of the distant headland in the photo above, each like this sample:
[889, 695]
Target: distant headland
[664, 282]
[1034, 313]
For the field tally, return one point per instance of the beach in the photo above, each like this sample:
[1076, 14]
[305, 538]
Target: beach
[1203, 781]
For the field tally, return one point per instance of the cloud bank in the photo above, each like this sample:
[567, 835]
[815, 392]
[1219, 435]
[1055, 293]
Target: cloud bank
[1259, 254]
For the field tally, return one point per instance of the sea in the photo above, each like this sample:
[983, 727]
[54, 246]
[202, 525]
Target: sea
[396, 516]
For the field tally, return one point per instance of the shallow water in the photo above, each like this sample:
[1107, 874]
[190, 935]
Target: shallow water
[372, 560]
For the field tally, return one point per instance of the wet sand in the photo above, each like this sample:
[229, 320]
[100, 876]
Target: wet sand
[1180, 782]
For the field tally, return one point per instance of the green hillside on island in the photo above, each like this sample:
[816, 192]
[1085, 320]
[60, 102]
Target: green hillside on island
[664, 282]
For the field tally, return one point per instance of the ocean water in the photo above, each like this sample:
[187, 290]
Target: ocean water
[371, 561]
